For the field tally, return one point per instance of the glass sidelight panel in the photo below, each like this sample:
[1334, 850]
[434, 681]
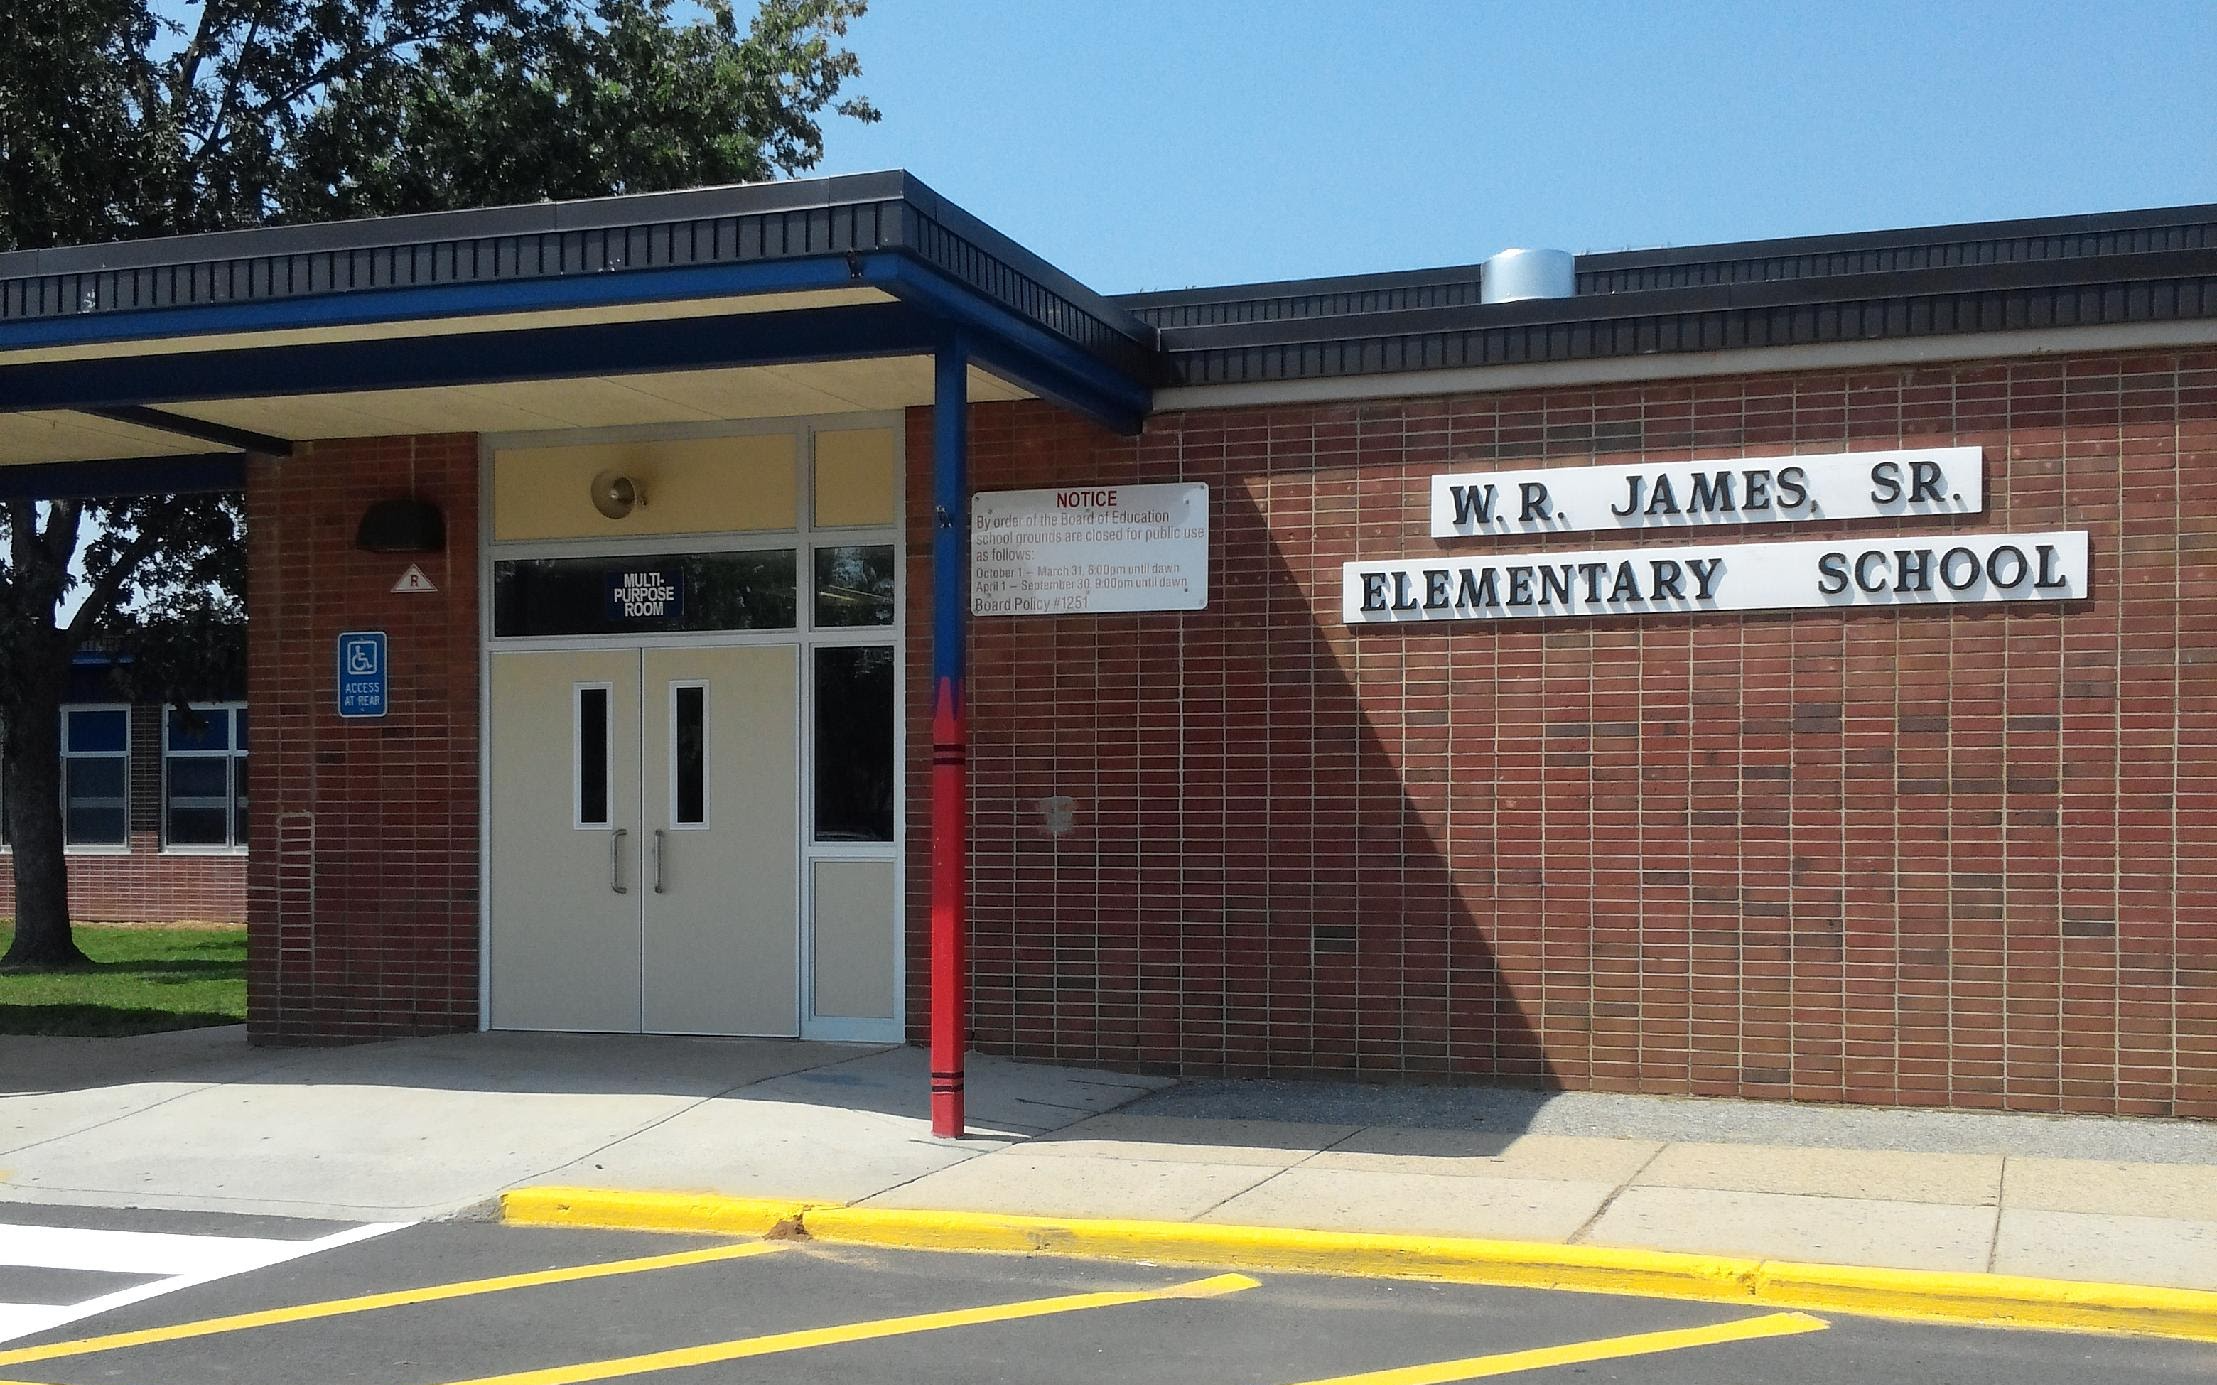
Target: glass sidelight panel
[855, 771]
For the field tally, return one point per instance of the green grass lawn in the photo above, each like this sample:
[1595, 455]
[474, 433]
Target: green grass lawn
[148, 979]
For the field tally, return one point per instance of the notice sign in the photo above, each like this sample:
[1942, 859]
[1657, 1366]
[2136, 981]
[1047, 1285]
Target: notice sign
[1682, 495]
[1890, 571]
[1089, 549]
[646, 593]
[363, 673]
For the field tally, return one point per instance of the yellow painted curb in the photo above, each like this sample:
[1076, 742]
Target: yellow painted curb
[1997, 1300]
[1279, 1248]
[615, 1209]
[1925, 1295]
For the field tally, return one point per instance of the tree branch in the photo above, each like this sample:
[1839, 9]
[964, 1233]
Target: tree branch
[188, 59]
[105, 588]
[64, 527]
[142, 86]
[343, 66]
[214, 140]
[22, 522]
[230, 91]
[31, 560]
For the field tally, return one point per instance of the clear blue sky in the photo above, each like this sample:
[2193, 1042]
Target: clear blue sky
[1144, 144]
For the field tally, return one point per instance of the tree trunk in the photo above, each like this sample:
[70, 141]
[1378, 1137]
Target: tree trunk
[32, 782]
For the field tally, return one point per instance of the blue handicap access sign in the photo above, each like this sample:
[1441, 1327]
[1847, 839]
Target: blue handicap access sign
[362, 673]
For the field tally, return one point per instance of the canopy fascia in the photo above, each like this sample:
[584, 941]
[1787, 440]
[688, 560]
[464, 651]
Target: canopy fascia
[925, 308]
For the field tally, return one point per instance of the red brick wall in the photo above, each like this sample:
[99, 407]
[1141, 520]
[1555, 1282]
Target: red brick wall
[363, 883]
[145, 885]
[1959, 857]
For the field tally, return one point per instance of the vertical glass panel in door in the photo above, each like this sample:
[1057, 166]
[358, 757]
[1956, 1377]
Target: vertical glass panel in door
[689, 756]
[592, 757]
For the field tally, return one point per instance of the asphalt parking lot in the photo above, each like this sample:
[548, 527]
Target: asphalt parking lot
[477, 1303]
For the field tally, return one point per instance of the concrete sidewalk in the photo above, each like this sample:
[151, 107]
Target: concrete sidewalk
[1893, 1189]
[426, 1128]
[432, 1127]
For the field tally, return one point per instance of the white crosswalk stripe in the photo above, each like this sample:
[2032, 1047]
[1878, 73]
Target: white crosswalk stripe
[23, 1319]
[136, 1252]
[176, 1261]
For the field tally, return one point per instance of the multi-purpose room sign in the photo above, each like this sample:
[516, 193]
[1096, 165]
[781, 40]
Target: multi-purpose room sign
[1681, 495]
[1885, 571]
[645, 593]
[1089, 549]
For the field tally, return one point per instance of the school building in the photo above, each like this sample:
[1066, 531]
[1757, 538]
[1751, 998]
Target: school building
[154, 805]
[1779, 669]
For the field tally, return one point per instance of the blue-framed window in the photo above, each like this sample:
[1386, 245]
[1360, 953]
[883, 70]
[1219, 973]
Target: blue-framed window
[96, 776]
[204, 776]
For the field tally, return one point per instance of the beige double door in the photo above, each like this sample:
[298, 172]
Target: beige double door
[644, 832]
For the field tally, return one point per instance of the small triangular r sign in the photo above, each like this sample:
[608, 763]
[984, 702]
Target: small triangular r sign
[413, 580]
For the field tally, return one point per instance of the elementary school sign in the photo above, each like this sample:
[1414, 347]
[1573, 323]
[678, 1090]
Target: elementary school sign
[1677, 495]
[1893, 571]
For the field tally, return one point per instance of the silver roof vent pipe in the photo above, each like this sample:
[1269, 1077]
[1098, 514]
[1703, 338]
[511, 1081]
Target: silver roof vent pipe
[1515, 275]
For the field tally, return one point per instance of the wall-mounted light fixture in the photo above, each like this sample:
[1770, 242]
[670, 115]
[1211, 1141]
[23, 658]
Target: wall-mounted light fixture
[616, 495]
[402, 526]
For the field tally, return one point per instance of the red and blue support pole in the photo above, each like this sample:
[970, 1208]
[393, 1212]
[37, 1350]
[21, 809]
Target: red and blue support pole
[950, 735]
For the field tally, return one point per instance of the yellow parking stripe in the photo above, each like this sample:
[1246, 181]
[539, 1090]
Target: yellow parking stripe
[1578, 1353]
[368, 1303]
[802, 1340]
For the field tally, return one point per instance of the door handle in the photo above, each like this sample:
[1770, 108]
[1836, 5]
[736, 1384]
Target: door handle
[616, 861]
[658, 860]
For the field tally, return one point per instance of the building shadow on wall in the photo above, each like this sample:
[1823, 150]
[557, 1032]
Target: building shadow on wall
[1251, 842]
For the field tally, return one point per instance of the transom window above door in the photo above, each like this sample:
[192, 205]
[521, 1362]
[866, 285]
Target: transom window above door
[647, 594]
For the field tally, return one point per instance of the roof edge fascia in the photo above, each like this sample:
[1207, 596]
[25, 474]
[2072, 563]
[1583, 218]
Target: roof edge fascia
[415, 228]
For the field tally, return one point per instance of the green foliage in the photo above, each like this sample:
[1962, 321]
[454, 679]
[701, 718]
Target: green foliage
[162, 574]
[80, 118]
[119, 121]
[573, 103]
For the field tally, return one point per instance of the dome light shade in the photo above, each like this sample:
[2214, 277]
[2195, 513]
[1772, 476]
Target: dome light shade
[407, 525]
